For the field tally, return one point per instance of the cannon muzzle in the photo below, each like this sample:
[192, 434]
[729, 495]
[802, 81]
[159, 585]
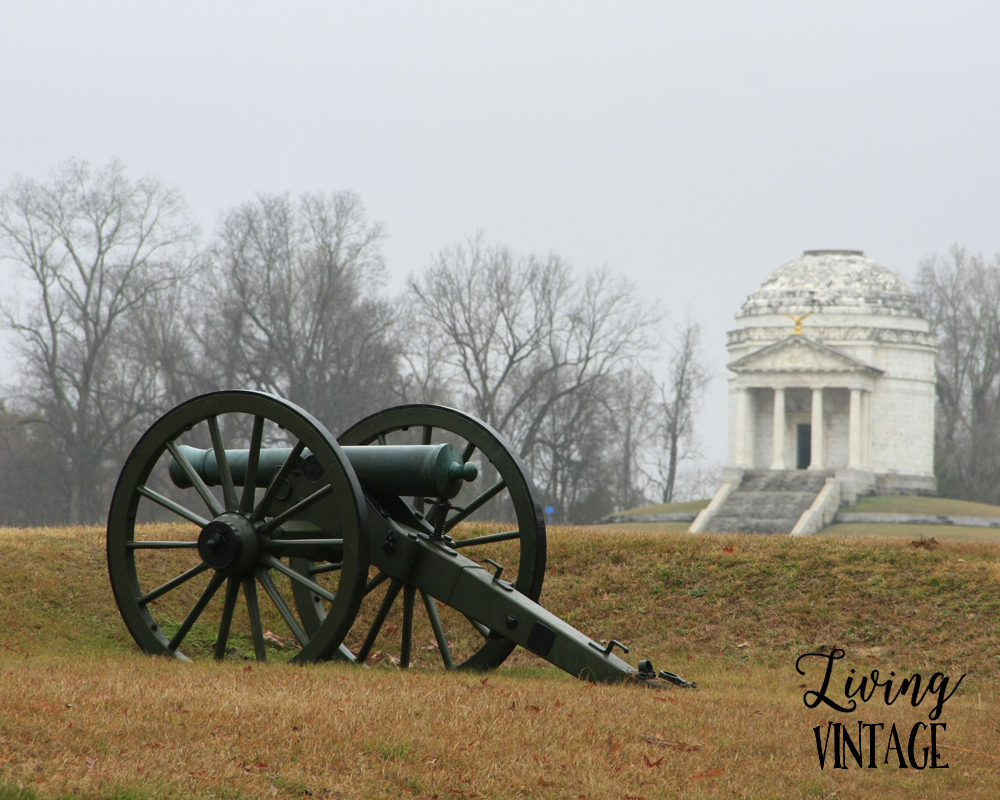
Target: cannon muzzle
[407, 470]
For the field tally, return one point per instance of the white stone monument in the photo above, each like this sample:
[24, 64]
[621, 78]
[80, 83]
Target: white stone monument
[832, 373]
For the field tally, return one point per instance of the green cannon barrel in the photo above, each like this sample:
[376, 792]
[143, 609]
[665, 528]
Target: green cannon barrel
[433, 470]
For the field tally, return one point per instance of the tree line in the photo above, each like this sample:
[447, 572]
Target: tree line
[121, 311]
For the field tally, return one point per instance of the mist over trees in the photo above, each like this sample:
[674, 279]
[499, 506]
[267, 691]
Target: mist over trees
[96, 249]
[120, 315]
[961, 296]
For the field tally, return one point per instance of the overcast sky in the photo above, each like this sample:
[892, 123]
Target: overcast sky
[694, 147]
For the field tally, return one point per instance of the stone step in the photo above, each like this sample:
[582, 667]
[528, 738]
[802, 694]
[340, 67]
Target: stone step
[786, 503]
[769, 501]
[784, 481]
[733, 525]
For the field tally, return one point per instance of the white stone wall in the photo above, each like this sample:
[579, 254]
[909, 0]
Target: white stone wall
[902, 428]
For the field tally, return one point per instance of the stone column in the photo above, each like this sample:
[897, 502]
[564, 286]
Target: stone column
[744, 427]
[778, 441]
[818, 432]
[866, 431]
[854, 430]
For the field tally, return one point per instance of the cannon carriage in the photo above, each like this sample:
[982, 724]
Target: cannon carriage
[342, 535]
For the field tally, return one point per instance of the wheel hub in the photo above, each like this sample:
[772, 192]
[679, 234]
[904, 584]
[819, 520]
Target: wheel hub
[229, 543]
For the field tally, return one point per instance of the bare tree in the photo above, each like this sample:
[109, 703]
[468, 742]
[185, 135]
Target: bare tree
[529, 347]
[961, 296]
[632, 418]
[294, 306]
[686, 382]
[95, 250]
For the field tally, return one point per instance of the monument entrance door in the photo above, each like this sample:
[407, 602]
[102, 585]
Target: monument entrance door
[803, 445]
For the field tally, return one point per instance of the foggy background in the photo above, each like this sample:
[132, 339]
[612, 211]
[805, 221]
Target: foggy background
[693, 149]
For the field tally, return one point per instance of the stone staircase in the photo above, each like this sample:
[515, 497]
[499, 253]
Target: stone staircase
[768, 501]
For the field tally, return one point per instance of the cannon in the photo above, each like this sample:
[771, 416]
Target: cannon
[334, 531]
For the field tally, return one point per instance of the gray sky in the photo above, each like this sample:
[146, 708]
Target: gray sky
[694, 147]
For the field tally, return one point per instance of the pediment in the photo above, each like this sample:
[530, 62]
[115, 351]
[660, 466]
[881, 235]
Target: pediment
[799, 353]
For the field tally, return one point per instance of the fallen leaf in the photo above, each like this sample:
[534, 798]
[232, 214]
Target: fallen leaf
[542, 782]
[379, 656]
[743, 644]
[534, 708]
[273, 638]
[653, 763]
[706, 775]
[606, 597]
[612, 747]
[727, 549]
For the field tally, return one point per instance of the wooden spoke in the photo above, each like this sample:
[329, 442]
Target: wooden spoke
[253, 611]
[298, 577]
[169, 504]
[375, 582]
[442, 641]
[475, 505]
[321, 568]
[279, 479]
[170, 585]
[483, 630]
[383, 612]
[195, 478]
[279, 602]
[160, 545]
[253, 459]
[273, 543]
[470, 448]
[488, 539]
[192, 618]
[232, 593]
[295, 510]
[222, 461]
[409, 594]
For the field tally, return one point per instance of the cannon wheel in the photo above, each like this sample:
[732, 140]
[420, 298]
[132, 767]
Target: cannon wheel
[227, 521]
[430, 424]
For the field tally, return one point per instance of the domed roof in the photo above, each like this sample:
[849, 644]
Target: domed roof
[843, 281]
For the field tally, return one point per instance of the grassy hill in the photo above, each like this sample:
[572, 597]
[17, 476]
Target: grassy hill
[895, 504]
[85, 714]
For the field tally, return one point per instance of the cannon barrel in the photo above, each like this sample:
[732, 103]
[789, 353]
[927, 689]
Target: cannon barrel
[408, 470]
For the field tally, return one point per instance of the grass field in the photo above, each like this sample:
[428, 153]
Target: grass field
[82, 713]
[688, 506]
[905, 504]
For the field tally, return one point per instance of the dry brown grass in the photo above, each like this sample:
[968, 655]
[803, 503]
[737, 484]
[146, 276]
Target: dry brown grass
[81, 712]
